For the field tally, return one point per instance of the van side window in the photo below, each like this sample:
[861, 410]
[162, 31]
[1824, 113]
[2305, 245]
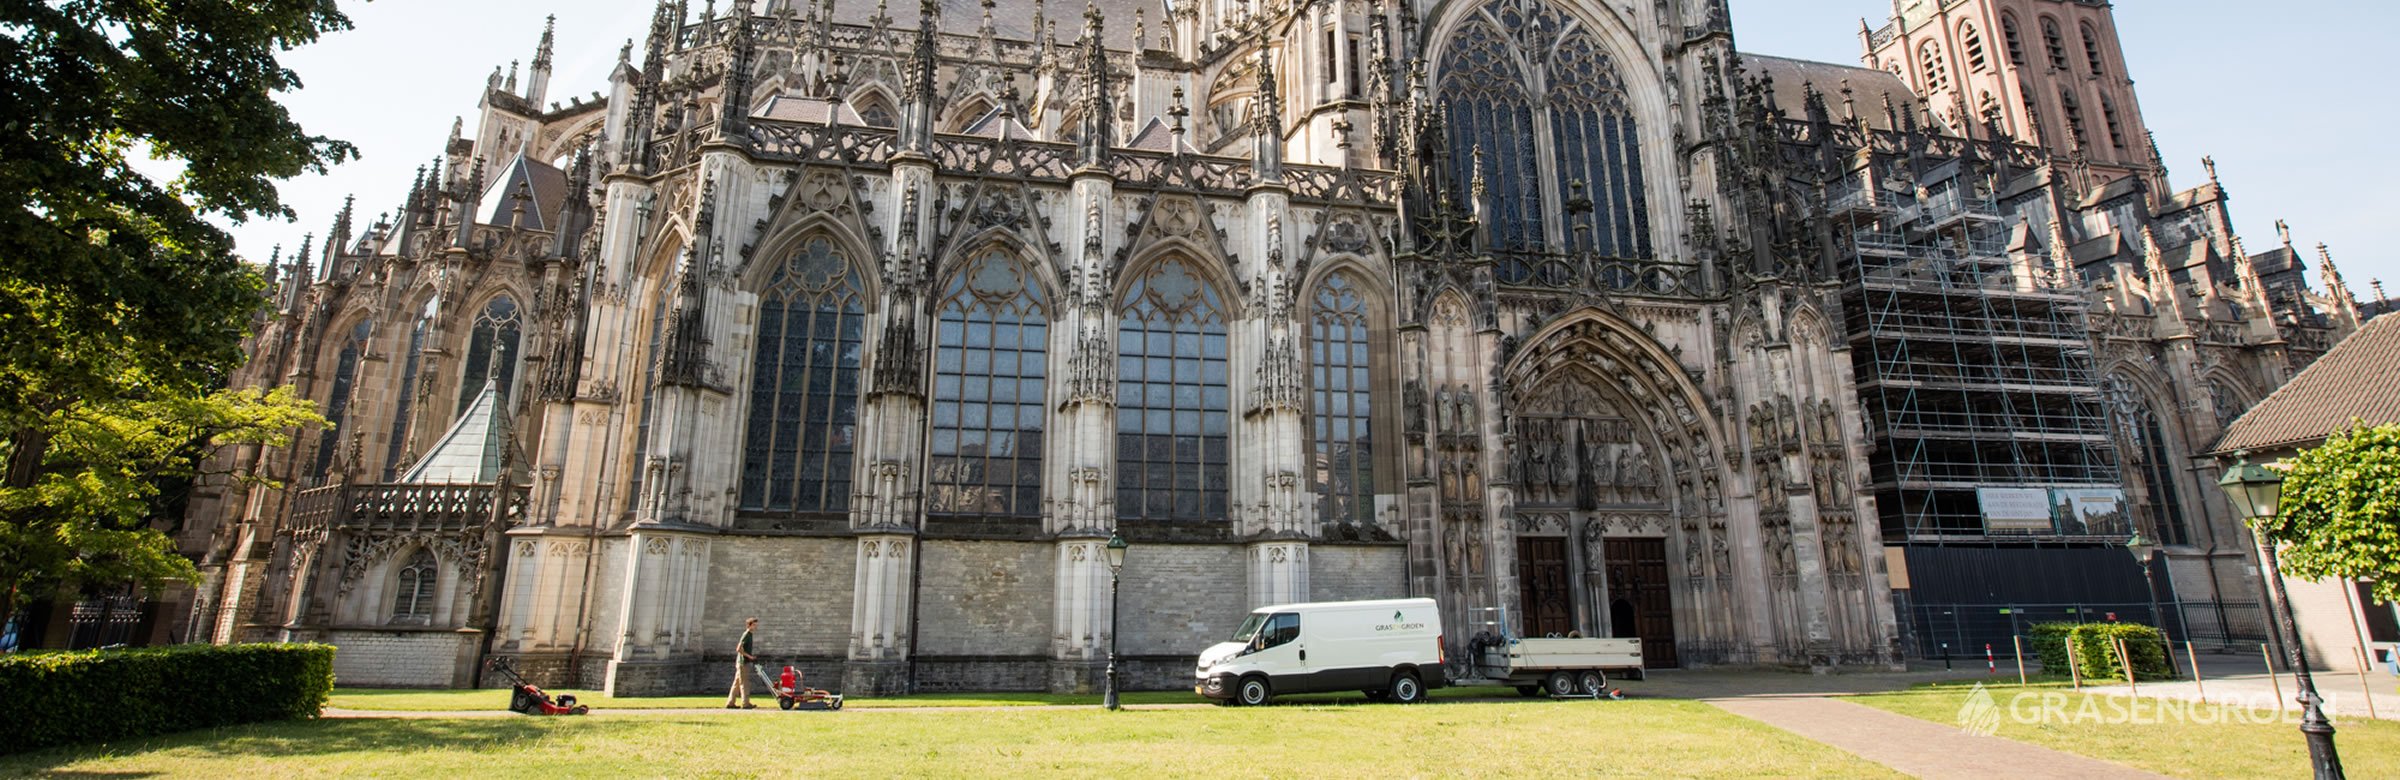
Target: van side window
[1282, 628]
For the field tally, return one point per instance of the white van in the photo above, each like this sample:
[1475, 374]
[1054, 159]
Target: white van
[1391, 650]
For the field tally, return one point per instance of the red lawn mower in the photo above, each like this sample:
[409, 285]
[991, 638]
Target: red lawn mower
[526, 698]
[791, 695]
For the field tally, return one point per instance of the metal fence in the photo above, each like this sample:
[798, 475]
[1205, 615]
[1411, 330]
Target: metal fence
[1954, 631]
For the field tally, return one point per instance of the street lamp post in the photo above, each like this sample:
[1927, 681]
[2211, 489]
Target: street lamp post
[1116, 565]
[2256, 491]
[2144, 551]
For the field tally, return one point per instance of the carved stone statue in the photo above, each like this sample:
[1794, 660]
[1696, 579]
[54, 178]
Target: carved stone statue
[1445, 412]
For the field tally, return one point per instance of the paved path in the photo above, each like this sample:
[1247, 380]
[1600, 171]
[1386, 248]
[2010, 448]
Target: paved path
[1916, 747]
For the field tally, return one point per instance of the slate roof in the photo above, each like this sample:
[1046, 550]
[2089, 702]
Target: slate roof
[1868, 87]
[469, 453]
[2354, 380]
[545, 185]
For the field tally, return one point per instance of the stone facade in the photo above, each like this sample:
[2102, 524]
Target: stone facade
[877, 329]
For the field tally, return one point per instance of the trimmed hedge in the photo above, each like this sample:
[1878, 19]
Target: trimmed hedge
[2098, 656]
[97, 696]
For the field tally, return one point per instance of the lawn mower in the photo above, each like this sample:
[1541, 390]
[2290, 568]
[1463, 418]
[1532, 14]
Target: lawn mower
[791, 696]
[525, 697]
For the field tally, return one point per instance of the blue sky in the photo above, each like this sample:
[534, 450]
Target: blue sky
[2281, 98]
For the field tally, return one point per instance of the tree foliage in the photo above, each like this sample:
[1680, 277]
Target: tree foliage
[2341, 510]
[87, 518]
[123, 306]
[107, 275]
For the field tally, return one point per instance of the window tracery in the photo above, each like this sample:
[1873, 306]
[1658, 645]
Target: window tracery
[403, 405]
[1173, 399]
[1930, 57]
[1341, 367]
[337, 401]
[412, 601]
[1510, 51]
[990, 360]
[803, 419]
[498, 330]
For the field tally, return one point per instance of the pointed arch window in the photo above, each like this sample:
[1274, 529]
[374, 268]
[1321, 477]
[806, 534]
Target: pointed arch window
[804, 377]
[2055, 43]
[1489, 74]
[412, 601]
[1491, 133]
[1341, 382]
[338, 400]
[2116, 127]
[2091, 50]
[991, 352]
[650, 361]
[876, 111]
[2138, 425]
[1174, 403]
[492, 343]
[404, 404]
[2014, 39]
[1930, 58]
[2074, 113]
[1972, 40]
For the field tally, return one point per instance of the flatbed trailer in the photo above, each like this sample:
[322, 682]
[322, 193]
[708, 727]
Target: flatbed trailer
[1561, 667]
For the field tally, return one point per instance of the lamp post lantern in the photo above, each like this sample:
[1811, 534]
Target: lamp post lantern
[1116, 566]
[2256, 492]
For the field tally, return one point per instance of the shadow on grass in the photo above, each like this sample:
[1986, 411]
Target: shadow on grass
[302, 738]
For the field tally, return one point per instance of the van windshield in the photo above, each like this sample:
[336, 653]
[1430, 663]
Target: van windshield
[1250, 627]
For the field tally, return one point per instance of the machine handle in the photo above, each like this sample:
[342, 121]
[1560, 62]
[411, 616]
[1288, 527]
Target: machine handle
[1304, 654]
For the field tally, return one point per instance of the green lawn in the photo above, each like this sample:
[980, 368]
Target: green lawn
[2196, 744]
[406, 700]
[1513, 738]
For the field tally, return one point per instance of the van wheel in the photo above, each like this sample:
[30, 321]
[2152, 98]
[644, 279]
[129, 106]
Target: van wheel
[1593, 682]
[1561, 684]
[1406, 689]
[1253, 692]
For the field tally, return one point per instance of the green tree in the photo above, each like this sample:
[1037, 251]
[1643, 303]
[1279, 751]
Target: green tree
[87, 519]
[115, 290]
[2341, 510]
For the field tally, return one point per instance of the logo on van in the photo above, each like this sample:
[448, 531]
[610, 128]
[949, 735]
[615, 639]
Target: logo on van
[1399, 623]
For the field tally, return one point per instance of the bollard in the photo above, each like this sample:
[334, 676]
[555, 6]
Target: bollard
[1945, 656]
[2020, 644]
[2074, 665]
[2271, 675]
[2188, 652]
[2125, 660]
[1989, 666]
[2364, 686]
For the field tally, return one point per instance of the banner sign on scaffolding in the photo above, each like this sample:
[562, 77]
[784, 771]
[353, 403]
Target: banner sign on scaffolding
[2015, 509]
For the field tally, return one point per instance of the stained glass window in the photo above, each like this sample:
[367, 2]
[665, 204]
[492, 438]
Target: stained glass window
[412, 601]
[1489, 112]
[498, 331]
[1598, 146]
[1486, 93]
[1340, 391]
[650, 360]
[1173, 401]
[804, 384]
[990, 348]
[337, 402]
[404, 404]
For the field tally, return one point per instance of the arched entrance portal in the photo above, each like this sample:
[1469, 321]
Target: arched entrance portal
[1617, 500]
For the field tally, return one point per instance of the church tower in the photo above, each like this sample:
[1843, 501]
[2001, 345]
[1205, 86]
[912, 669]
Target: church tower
[2046, 72]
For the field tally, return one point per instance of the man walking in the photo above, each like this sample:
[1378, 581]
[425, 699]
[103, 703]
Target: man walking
[742, 659]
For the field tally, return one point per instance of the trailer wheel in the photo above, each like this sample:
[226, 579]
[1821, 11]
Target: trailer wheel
[784, 702]
[1253, 692]
[1406, 689]
[1561, 683]
[1593, 682]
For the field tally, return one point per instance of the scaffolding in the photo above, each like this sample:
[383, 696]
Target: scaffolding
[1972, 363]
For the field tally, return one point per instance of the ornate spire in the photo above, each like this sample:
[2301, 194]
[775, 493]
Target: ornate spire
[542, 53]
[2345, 307]
[1099, 104]
[1266, 119]
[733, 118]
[924, 63]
